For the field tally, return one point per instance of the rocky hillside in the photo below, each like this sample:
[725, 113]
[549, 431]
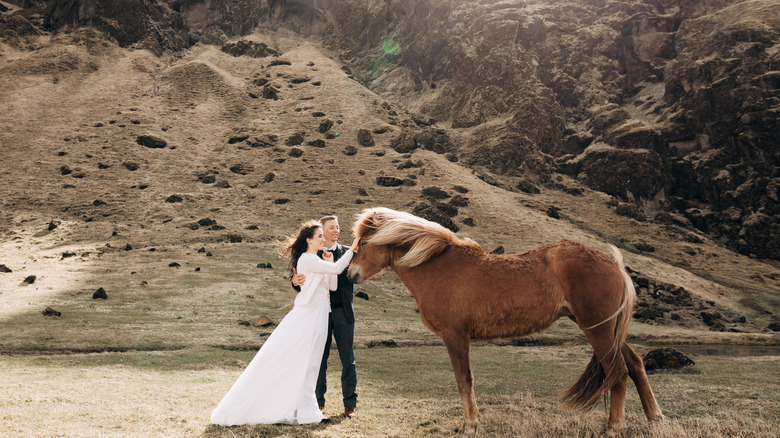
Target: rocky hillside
[671, 105]
[183, 123]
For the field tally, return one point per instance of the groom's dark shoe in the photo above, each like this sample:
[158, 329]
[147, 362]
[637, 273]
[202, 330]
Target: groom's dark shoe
[350, 411]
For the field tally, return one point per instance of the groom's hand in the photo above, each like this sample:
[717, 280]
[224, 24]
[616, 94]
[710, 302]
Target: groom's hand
[298, 279]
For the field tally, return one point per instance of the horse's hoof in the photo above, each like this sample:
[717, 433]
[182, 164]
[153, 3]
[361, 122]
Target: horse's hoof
[469, 431]
[656, 423]
[615, 431]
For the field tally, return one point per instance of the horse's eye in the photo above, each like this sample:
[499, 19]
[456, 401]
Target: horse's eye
[363, 243]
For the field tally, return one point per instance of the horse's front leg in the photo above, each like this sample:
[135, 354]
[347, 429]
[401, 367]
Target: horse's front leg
[458, 347]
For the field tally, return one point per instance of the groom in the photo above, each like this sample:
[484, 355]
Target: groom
[341, 323]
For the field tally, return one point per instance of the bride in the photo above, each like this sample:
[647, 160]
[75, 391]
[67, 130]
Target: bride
[278, 384]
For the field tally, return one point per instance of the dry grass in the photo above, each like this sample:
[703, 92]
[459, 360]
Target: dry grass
[403, 392]
[155, 358]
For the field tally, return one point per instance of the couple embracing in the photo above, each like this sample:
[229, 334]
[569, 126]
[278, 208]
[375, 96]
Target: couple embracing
[285, 382]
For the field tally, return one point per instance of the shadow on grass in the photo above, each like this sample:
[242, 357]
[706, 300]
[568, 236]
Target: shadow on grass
[270, 430]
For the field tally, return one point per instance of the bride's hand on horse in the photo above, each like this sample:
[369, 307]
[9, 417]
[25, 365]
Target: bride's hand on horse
[355, 244]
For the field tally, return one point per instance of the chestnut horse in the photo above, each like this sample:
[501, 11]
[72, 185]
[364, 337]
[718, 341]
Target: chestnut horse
[464, 293]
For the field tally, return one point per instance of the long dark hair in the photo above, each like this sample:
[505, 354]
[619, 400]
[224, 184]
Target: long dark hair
[296, 244]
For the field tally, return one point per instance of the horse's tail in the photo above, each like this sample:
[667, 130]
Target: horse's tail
[595, 381]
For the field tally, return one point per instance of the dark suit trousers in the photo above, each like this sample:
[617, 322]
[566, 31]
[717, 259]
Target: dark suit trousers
[344, 332]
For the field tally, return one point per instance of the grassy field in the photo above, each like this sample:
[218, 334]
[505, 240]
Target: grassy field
[404, 392]
[155, 358]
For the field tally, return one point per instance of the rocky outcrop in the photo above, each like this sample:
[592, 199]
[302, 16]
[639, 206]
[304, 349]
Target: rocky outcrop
[240, 17]
[723, 118]
[145, 23]
[677, 98]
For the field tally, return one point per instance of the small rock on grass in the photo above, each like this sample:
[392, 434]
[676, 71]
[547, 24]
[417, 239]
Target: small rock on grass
[100, 294]
[51, 312]
[6, 269]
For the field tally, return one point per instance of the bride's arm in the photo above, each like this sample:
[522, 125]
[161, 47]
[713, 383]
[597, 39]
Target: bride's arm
[308, 288]
[320, 266]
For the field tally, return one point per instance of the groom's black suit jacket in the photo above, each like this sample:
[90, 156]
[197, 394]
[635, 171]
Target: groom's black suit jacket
[345, 288]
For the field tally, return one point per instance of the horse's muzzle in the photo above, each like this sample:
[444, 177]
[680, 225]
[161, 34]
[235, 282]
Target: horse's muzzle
[354, 277]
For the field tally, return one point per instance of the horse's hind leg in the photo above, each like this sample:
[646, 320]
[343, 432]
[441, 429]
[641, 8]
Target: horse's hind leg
[636, 370]
[602, 340]
[458, 348]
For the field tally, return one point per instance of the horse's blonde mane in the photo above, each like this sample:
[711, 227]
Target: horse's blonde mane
[425, 239]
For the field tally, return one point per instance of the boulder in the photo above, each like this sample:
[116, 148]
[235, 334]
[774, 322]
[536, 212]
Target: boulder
[389, 181]
[364, 138]
[404, 143]
[242, 168]
[100, 294]
[325, 126]
[270, 92]
[294, 140]
[433, 213]
[666, 359]
[51, 312]
[151, 141]
[434, 193]
[459, 201]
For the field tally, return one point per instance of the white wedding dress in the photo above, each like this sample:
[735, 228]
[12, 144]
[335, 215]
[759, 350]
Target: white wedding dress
[278, 384]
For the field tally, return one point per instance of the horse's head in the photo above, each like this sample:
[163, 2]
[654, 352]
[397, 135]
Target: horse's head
[371, 258]
[398, 238]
